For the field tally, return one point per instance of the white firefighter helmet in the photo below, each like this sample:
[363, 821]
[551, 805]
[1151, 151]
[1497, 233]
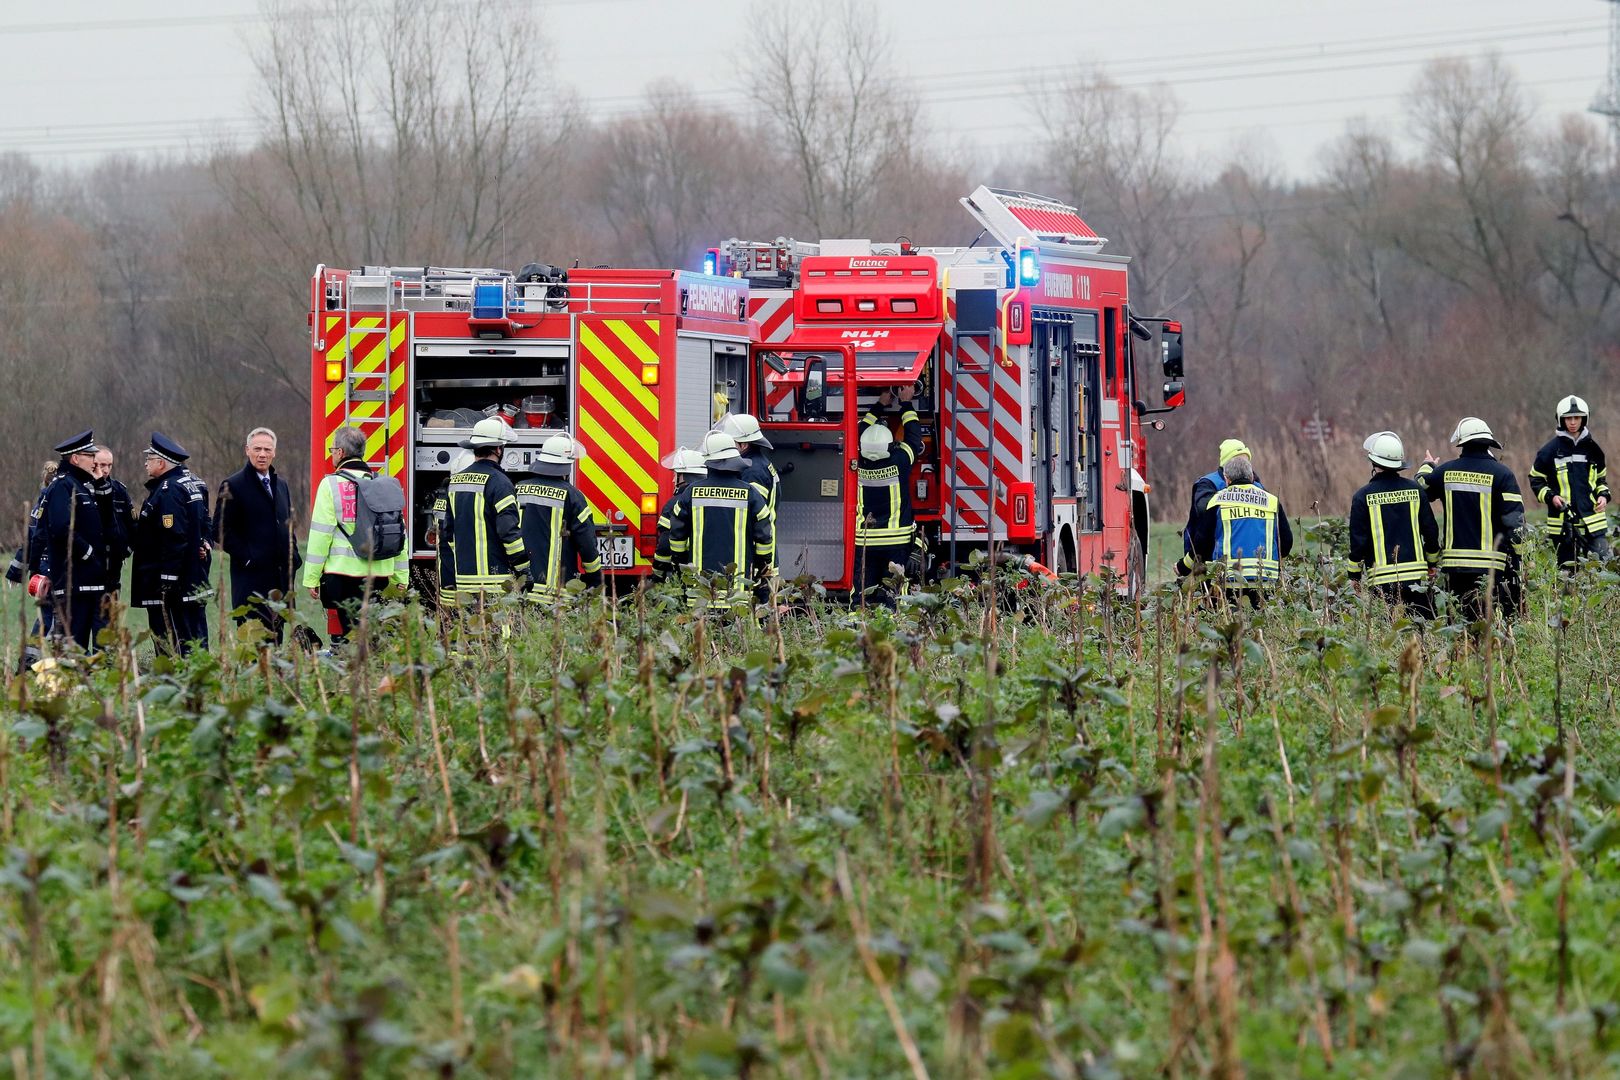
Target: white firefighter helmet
[557, 455]
[1386, 450]
[744, 428]
[875, 442]
[1473, 429]
[720, 452]
[488, 432]
[684, 461]
[1572, 406]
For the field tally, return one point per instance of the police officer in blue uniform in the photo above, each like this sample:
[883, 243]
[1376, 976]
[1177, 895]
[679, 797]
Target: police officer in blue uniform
[74, 548]
[169, 549]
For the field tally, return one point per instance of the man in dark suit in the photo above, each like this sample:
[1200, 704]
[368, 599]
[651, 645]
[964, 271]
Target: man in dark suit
[251, 515]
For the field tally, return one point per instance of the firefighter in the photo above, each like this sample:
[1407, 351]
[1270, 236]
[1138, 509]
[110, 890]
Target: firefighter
[720, 524]
[437, 510]
[1484, 520]
[167, 550]
[1571, 476]
[885, 533]
[759, 472]
[481, 543]
[1244, 527]
[73, 546]
[559, 531]
[686, 465]
[1394, 541]
[334, 573]
[1203, 488]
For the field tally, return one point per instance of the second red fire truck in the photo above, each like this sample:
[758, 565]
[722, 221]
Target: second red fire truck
[1025, 358]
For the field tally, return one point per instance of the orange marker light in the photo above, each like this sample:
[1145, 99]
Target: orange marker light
[649, 504]
[649, 375]
[334, 371]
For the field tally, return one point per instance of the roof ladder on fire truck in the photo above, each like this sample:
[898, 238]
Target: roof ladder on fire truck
[961, 365]
[361, 387]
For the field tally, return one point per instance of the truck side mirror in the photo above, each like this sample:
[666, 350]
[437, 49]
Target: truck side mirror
[1170, 347]
[815, 389]
[1175, 394]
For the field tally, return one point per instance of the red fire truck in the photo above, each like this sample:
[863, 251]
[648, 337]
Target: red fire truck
[633, 362]
[1024, 358]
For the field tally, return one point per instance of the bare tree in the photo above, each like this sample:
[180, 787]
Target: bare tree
[423, 133]
[1113, 152]
[819, 74]
[1471, 120]
[668, 179]
[1352, 233]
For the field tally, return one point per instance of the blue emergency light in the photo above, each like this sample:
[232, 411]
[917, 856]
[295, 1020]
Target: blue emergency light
[489, 300]
[711, 261]
[1029, 266]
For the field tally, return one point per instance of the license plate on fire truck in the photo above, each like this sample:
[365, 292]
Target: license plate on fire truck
[619, 553]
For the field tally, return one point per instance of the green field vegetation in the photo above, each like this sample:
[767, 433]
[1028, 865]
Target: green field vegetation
[1035, 833]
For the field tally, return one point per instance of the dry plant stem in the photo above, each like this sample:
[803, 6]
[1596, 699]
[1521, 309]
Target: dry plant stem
[1324, 1033]
[438, 757]
[855, 910]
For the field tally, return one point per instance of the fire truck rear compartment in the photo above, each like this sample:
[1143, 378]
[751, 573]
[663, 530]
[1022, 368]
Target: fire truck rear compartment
[459, 383]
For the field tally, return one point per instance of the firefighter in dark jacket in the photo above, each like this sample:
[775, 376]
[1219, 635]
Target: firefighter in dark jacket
[720, 525]
[1484, 531]
[481, 549]
[1571, 475]
[252, 525]
[1203, 488]
[885, 531]
[169, 550]
[559, 530]
[1394, 541]
[686, 465]
[74, 544]
[758, 471]
[1244, 528]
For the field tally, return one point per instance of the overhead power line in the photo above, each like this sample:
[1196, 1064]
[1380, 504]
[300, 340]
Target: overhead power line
[155, 135]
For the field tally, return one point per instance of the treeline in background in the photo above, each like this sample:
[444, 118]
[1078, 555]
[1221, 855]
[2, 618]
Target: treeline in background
[1466, 263]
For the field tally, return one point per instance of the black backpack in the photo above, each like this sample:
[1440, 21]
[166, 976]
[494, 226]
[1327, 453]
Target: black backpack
[379, 518]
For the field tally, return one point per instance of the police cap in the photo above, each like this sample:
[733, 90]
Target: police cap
[82, 443]
[166, 448]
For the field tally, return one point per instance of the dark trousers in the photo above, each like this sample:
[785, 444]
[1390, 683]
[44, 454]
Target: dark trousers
[1573, 545]
[872, 569]
[1417, 599]
[178, 625]
[249, 588]
[345, 595]
[1470, 589]
[79, 617]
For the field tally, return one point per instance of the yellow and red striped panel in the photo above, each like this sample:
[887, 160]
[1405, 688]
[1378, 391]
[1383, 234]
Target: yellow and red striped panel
[617, 416]
[370, 351]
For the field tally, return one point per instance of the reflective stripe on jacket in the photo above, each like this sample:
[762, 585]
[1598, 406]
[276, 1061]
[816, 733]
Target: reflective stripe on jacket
[481, 543]
[883, 512]
[330, 550]
[559, 534]
[1484, 510]
[1393, 534]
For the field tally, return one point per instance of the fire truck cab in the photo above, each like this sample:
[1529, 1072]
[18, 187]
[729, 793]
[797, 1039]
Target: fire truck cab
[1020, 357]
[633, 362]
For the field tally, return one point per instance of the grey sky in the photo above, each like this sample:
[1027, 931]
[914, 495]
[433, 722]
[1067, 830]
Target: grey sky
[85, 77]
